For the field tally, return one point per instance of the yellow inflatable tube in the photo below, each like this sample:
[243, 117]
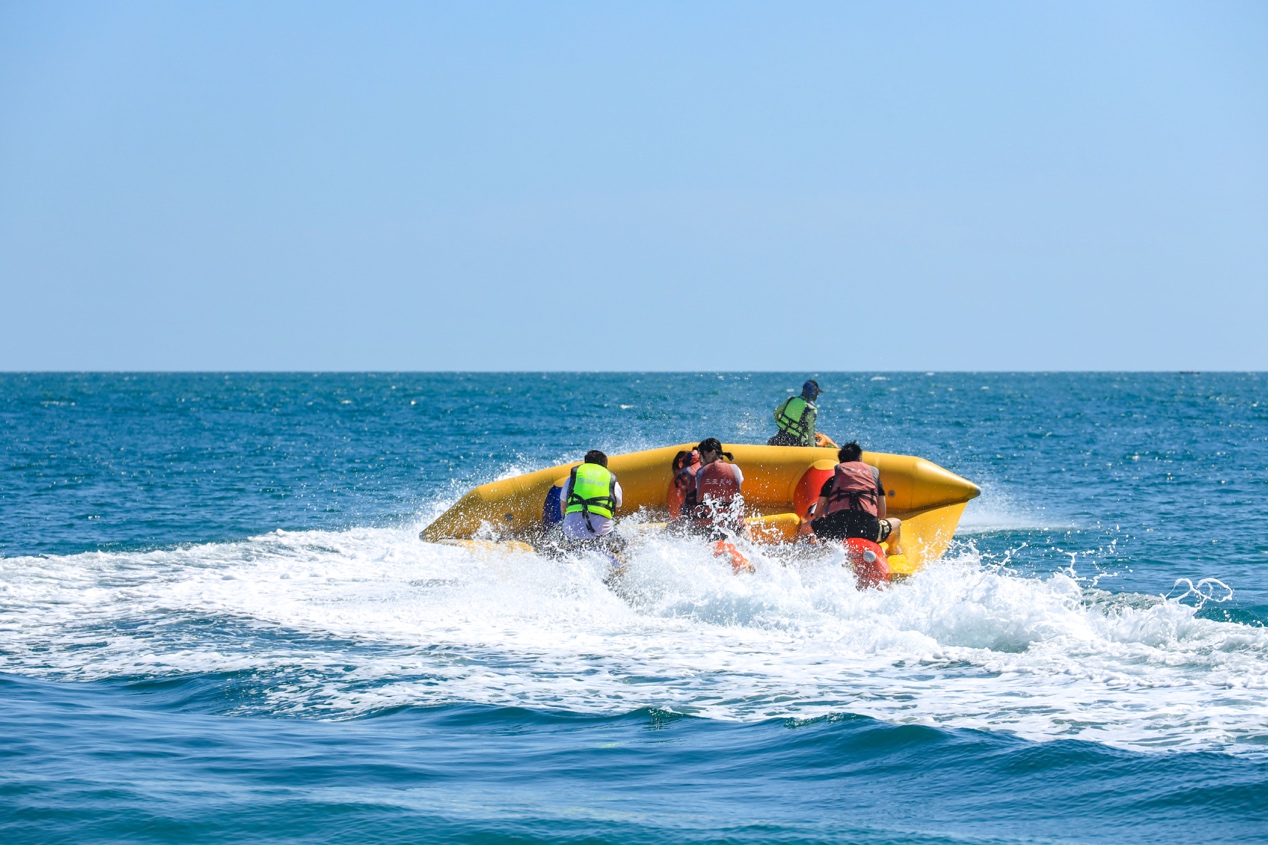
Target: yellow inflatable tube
[928, 498]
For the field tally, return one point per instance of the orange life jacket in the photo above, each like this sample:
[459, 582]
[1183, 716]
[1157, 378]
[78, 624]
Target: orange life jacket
[853, 489]
[716, 488]
[682, 491]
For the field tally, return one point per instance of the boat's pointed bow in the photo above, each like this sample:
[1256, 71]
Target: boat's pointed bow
[937, 486]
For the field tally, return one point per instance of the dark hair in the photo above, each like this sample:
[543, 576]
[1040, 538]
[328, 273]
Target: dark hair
[594, 456]
[851, 451]
[680, 460]
[712, 444]
[811, 386]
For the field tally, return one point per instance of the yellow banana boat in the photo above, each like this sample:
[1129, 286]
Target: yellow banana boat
[927, 498]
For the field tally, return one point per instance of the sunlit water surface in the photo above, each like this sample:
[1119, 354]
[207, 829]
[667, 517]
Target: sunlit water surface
[217, 622]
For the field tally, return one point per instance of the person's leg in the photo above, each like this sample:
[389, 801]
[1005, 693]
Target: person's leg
[830, 527]
[891, 531]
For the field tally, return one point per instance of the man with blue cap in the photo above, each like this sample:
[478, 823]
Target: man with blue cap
[796, 418]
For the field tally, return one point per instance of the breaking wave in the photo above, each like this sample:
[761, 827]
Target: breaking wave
[336, 625]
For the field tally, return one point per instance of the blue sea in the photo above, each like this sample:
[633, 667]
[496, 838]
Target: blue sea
[218, 623]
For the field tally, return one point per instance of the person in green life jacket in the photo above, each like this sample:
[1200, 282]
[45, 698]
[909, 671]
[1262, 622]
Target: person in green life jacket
[796, 418]
[590, 497]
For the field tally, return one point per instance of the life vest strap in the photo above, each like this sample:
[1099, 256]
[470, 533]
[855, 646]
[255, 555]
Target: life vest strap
[599, 503]
[792, 425]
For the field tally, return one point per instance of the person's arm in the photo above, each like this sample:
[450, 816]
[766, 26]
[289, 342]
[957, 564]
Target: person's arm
[739, 475]
[616, 493]
[821, 505]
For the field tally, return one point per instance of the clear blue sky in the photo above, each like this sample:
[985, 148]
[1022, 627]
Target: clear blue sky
[729, 186]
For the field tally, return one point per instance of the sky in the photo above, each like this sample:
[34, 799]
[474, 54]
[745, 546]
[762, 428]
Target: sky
[645, 186]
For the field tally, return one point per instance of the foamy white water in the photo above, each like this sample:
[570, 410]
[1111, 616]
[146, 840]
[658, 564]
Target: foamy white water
[334, 625]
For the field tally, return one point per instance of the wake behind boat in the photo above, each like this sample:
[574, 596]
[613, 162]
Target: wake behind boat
[780, 483]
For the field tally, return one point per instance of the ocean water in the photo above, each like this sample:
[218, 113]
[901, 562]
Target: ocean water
[218, 624]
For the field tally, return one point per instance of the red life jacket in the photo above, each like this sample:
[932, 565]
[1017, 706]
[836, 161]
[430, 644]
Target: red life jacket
[716, 488]
[717, 482]
[853, 489]
[682, 491]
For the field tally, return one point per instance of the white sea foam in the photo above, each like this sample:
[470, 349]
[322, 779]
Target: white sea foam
[339, 624]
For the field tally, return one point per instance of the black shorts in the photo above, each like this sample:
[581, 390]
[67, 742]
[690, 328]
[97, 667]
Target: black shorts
[844, 524]
[786, 439]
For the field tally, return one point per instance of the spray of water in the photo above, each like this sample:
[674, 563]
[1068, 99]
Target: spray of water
[344, 624]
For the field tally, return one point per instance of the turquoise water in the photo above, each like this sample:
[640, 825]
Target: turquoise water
[217, 623]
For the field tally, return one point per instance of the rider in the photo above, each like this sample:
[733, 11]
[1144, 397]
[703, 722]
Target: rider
[720, 506]
[852, 502]
[591, 496]
[681, 497]
[796, 418]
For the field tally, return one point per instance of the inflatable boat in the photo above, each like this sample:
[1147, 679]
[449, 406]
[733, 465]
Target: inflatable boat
[780, 483]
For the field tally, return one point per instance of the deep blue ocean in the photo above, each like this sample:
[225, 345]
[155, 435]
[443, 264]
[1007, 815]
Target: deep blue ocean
[218, 623]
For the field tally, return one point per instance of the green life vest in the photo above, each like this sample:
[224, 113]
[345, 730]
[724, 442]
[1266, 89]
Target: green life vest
[593, 491]
[796, 417]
